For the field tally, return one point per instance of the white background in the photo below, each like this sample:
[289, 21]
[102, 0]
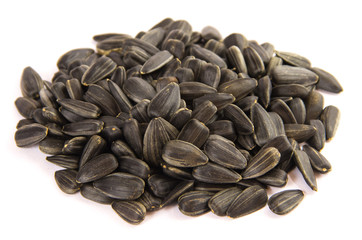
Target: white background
[36, 33]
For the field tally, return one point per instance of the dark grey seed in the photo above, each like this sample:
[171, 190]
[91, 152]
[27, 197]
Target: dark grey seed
[123, 186]
[220, 202]
[247, 103]
[132, 135]
[253, 62]
[154, 36]
[210, 32]
[264, 55]
[214, 173]
[110, 121]
[162, 82]
[103, 67]
[194, 203]
[161, 185]
[180, 117]
[134, 166]
[319, 138]
[290, 90]
[211, 187]
[60, 77]
[51, 145]
[242, 123]
[74, 145]
[97, 168]
[282, 109]
[282, 144]
[303, 163]
[168, 70]
[294, 59]
[245, 153]
[274, 61]
[121, 99]
[204, 112]
[264, 90]
[78, 72]
[38, 117]
[30, 83]
[264, 128]
[178, 190]
[278, 122]
[131, 211]
[89, 192]
[191, 90]
[175, 47]
[327, 81]
[314, 104]
[150, 201]
[65, 180]
[112, 133]
[29, 135]
[183, 154]
[220, 100]
[53, 115]
[248, 201]
[245, 183]
[246, 141]
[26, 106]
[120, 149]
[275, 177]
[47, 98]
[70, 116]
[285, 74]
[207, 55]
[236, 59]
[158, 132]
[165, 102]
[156, 62]
[83, 128]
[220, 138]
[317, 160]
[330, 119]
[224, 128]
[163, 23]
[220, 151]
[240, 88]
[81, 108]
[210, 75]
[135, 56]
[134, 42]
[216, 46]
[298, 109]
[137, 89]
[24, 122]
[184, 75]
[104, 36]
[299, 132]
[76, 54]
[194, 132]
[59, 90]
[119, 76]
[265, 160]
[55, 130]
[269, 49]
[66, 161]
[180, 25]
[103, 99]
[74, 89]
[284, 202]
[287, 163]
[227, 75]
[139, 111]
[176, 172]
[236, 39]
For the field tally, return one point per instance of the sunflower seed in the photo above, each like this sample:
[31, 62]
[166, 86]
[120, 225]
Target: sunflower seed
[275, 177]
[161, 185]
[178, 190]
[139, 111]
[74, 89]
[330, 118]
[274, 62]
[168, 98]
[137, 89]
[154, 36]
[65, 180]
[253, 62]
[317, 160]
[238, 87]
[83, 128]
[207, 55]
[30, 83]
[74, 145]
[284, 202]
[236, 39]
[51, 145]
[184, 75]
[194, 203]
[264, 90]
[281, 108]
[278, 123]
[204, 112]
[119, 148]
[134, 166]
[180, 117]
[314, 103]
[214, 173]
[175, 47]
[248, 201]
[236, 59]
[299, 132]
[89, 192]
[297, 107]
[76, 54]
[81, 108]
[47, 98]
[260, 50]
[303, 163]
[224, 128]
[242, 123]
[210, 74]
[131, 211]
[176, 172]
[216, 46]
[220, 100]
[59, 90]
[327, 81]
[319, 138]
[194, 132]
[65, 161]
[26, 106]
[103, 99]
[220, 202]
[31, 134]
[24, 122]
[294, 59]
[247, 103]
[150, 201]
[290, 90]
[191, 90]
[103, 67]
[264, 128]
[121, 99]
[52, 115]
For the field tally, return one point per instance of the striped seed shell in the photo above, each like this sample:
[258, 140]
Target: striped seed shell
[264, 128]
[299, 132]
[87, 127]
[51, 145]
[123, 186]
[246, 141]
[121, 98]
[282, 144]
[285, 74]
[253, 62]
[165, 102]
[53, 115]
[194, 203]
[26, 106]
[103, 99]
[194, 132]
[236, 59]
[240, 88]
[161, 185]
[119, 76]
[303, 163]
[210, 75]
[65, 180]
[265, 160]
[81, 108]
[74, 89]
[297, 107]
[119, 148]
[314, 104]
[248, 201]
[224, 128]
[220, 100]
[134, 166]
[274, 61]
[220, 202]
[330, 118]
[89, 192]
[264, 90]
[220, 151]
[99, 70]
[278, 122]
[31, 134]
[247, 103]
[139, 111]
[183, 154]
[30, 83]
[284, 202]
[191, 90]
[65, 161]
[210, 32]
[207, 55]
[242, 123]
[290, 90]
[95, 146]
[175, 47]
[69, 57]
[132, 135]
[236, 39]
[97, 168]
[24, 122]
[59, 90]
[214, 173]
[184, 75]
[47, 98]
[319, 138]
[275, 177]
[204, 112]
[282, 109]
[260, 50]
[180, 117]
[74, 145]
[137, 89]
[317, 160]
[327, 81]
[156, 62]
[294, 59]
[150, 201]
[131, 211]
[217, 47]
[154, 36]
[178, 190]
[176, 172]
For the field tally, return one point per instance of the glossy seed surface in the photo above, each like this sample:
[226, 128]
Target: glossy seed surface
[284, 202]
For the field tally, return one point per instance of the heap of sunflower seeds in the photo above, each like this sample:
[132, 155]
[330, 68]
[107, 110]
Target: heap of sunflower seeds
[176, 115]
